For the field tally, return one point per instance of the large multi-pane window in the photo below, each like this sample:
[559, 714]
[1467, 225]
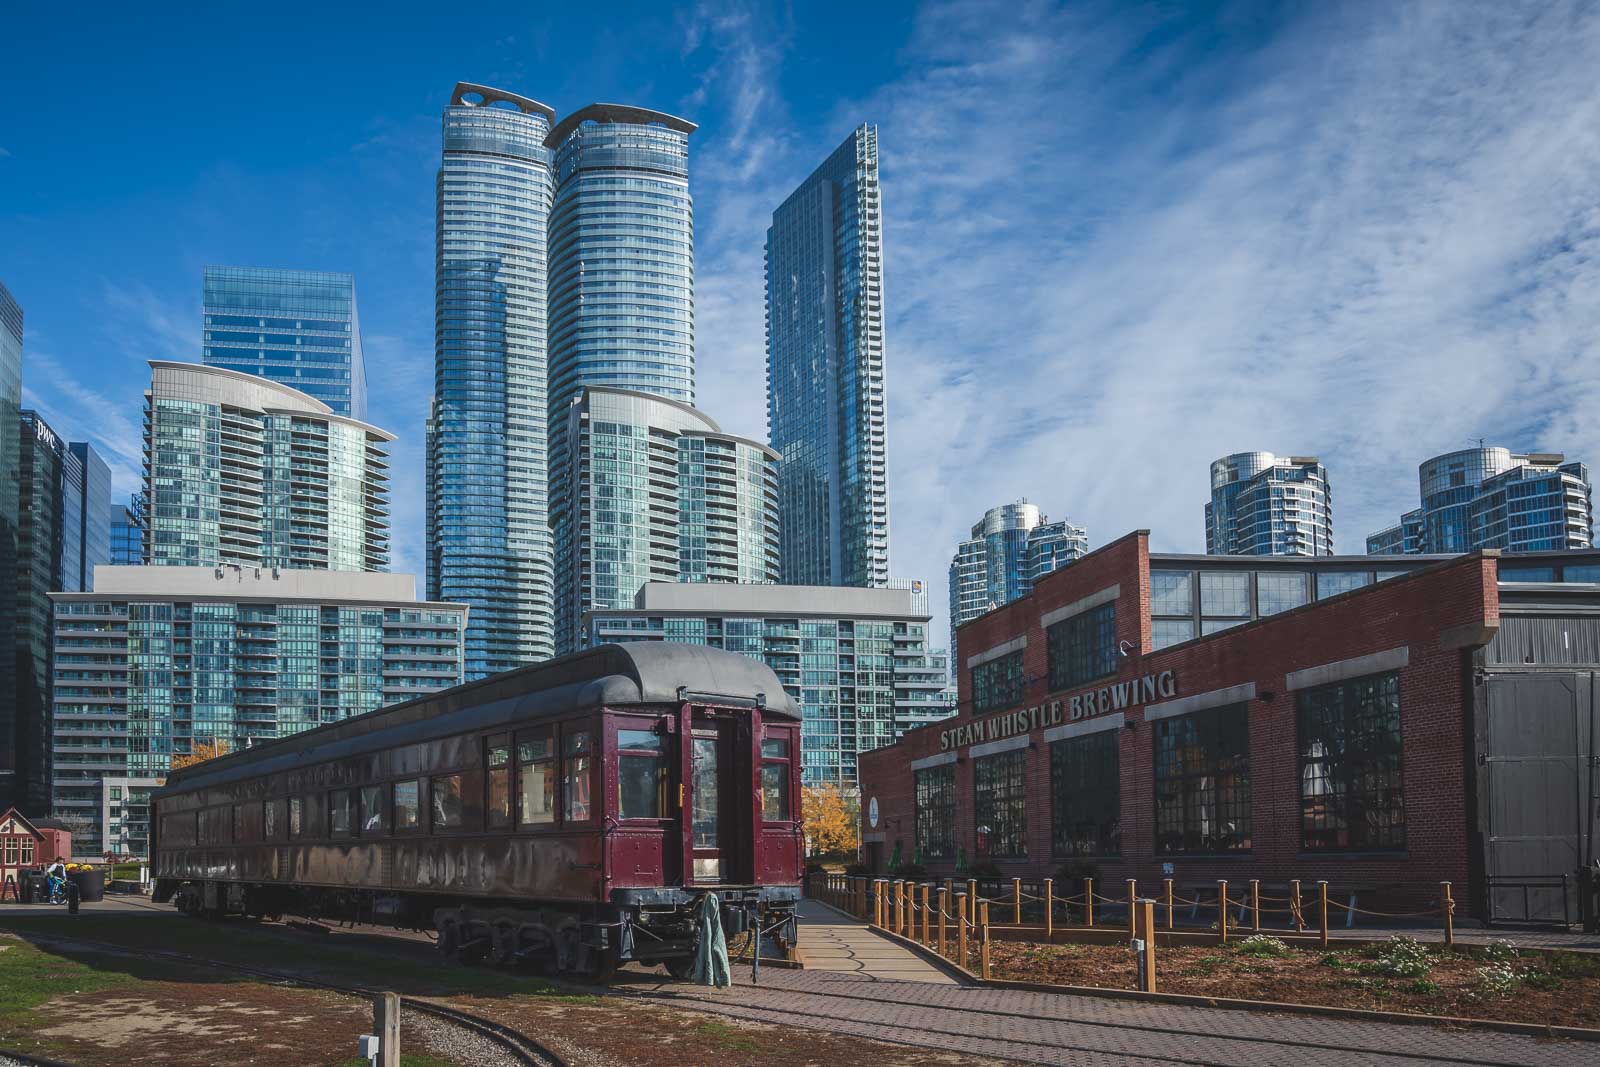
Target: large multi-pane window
[1086, 796]
[998, 683]
[1280, 592]
[1083, 647]
[936, 813]
[1000, 804]
[1202, 781]
[1351, 795]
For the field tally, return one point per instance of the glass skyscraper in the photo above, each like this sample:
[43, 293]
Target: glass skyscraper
[94, 524]
[1267, 505]
[10, 444]
[825, 371]
[856, 660]
[488, 536]
[1011, 547]
[658, 494]
[1493, 498]
[157, 660]
[127, 533]
[297, 327]
[242, 470]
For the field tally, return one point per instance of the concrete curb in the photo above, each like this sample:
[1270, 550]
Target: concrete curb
[1401, 1018]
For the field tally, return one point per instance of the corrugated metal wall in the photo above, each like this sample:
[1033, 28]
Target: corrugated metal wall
[1564, 640]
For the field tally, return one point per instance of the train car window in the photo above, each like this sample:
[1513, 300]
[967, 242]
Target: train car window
[372, 809]
[575, 775]
[296, 816]
[447, 809]
[269, 819]
[641, 775]
[775, 779]
[407, 805]
[238, 824]
[536, 777]
[339, 812]
[497, 760]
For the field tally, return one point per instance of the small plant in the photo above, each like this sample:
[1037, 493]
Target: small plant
[1404, 957]
[1500, 950]
[1263, 945]
[1421, 985]
[1333, 959]
[1498, 979]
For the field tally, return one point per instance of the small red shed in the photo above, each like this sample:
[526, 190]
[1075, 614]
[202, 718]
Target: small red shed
[25, 844]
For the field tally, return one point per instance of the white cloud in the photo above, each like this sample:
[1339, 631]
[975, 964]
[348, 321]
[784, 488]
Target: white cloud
[79, 413]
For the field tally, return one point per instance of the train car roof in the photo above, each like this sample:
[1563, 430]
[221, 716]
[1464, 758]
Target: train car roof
[655, 672]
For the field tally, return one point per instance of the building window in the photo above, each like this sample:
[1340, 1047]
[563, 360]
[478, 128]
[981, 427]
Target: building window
[1225, 593]
[13, 852]
[1083, 647]
[1279, 592]
[269, 819]
[575, 775]
[641, 775]
[1172, 592]
[1202, 781]
[27, 851]
[1350, 784]
[407, 805]
[296, 817]
[998, 683]
[936, 813]
[1086, 796]
[536, 777]
[775, 757]
[1164, 633]
[1000, 805]
[445, 790]
[339, 811]
[372, 809]
[1332, 583]
[497, 782]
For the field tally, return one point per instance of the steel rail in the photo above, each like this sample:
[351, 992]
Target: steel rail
[519, 1045]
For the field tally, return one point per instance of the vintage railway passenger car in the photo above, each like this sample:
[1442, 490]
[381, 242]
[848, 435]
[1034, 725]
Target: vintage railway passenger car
[571, 814]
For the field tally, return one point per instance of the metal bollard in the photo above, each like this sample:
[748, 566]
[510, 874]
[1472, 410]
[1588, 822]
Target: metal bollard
[386, 1025]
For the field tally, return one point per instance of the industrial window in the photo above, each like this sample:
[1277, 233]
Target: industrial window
[1172, 592]
[445, 793]
[575, 775]
[497, 781]
[998, 683]
[536, 777]
[296, 817]
[1083, 647]
[1276, 592]
[1086, 796]
[372, 809]
[1202, 781]
[936, 813]
[641, 775]
[1350, 786]
[407, 805]
[1000, 805]
[775, 758]
[339, 812]
[1165, 633]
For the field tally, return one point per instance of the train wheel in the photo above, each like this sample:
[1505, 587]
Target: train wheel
[449, 940]
[505, 943]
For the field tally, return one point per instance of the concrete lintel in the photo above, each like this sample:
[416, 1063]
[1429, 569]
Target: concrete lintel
[933, 761]
[1078, 607]
[1013, 645]
[1216, 698]
[994, 748]
[1390, 659]
[1096, 725]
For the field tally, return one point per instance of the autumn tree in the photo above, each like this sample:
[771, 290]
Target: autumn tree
[830, 820]
[199, 752]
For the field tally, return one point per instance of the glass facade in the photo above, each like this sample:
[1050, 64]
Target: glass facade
[245, 471]
[1267, 505]
[936, 813]
[10, 446]
[141, 675]
[658, 494]
[488, 536]
[94, 519]
[1202, 781]
[1083, 648]
[1000, 805]
[1493, 498]
[1086, 796]
[825, 370]
[296, 327]
[1351, 789]
[127, 533]
[862, 677]
[1010, 549]
[997, 683]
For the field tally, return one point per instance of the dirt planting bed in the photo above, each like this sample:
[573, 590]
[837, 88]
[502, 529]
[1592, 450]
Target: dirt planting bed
[1497, 981]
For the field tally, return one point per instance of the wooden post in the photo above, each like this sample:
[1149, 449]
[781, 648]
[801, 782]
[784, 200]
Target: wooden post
[1447, 902]
[1133, 894]
[1168, 882]
[1049, 909]
[1255, 905]
[899, 906]
[925, 916]
[983, 945]
[972, 901]
[1322, 906]
[877, 902]
[1222, 909]
[386, 1025]
[961, 928]
[1147, 965]
[1016, 901]
[1088, 902]
[944, 902]
[1299, 915]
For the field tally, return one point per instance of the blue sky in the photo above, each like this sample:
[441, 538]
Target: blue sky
[1121, 240]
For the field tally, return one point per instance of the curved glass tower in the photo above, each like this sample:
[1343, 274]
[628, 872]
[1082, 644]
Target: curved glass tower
[489, 542]
[621, 254]
[1267, 505]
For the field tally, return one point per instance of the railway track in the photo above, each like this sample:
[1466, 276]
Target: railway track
[515, 1044]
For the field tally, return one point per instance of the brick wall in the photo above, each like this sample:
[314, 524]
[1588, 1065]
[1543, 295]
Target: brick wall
[1438, 614]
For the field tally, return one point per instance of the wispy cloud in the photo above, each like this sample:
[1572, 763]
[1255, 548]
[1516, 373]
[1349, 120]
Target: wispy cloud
[79, 413]
[145, 324]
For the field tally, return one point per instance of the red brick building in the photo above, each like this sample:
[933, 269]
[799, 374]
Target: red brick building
[1218, 717]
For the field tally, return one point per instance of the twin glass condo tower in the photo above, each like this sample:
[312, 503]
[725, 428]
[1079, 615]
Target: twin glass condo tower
[566, 463]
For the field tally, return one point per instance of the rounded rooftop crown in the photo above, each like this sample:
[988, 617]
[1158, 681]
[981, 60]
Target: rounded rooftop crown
[224, 385]
[637, 116]
[488, 96]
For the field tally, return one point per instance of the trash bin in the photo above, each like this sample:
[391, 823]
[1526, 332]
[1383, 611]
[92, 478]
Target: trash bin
[91, 884]
[35, 887]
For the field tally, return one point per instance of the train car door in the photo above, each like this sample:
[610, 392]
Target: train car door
[711, 829]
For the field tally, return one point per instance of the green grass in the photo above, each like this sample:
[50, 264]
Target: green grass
[30, 977]
[129, 871]
[725, 1036]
